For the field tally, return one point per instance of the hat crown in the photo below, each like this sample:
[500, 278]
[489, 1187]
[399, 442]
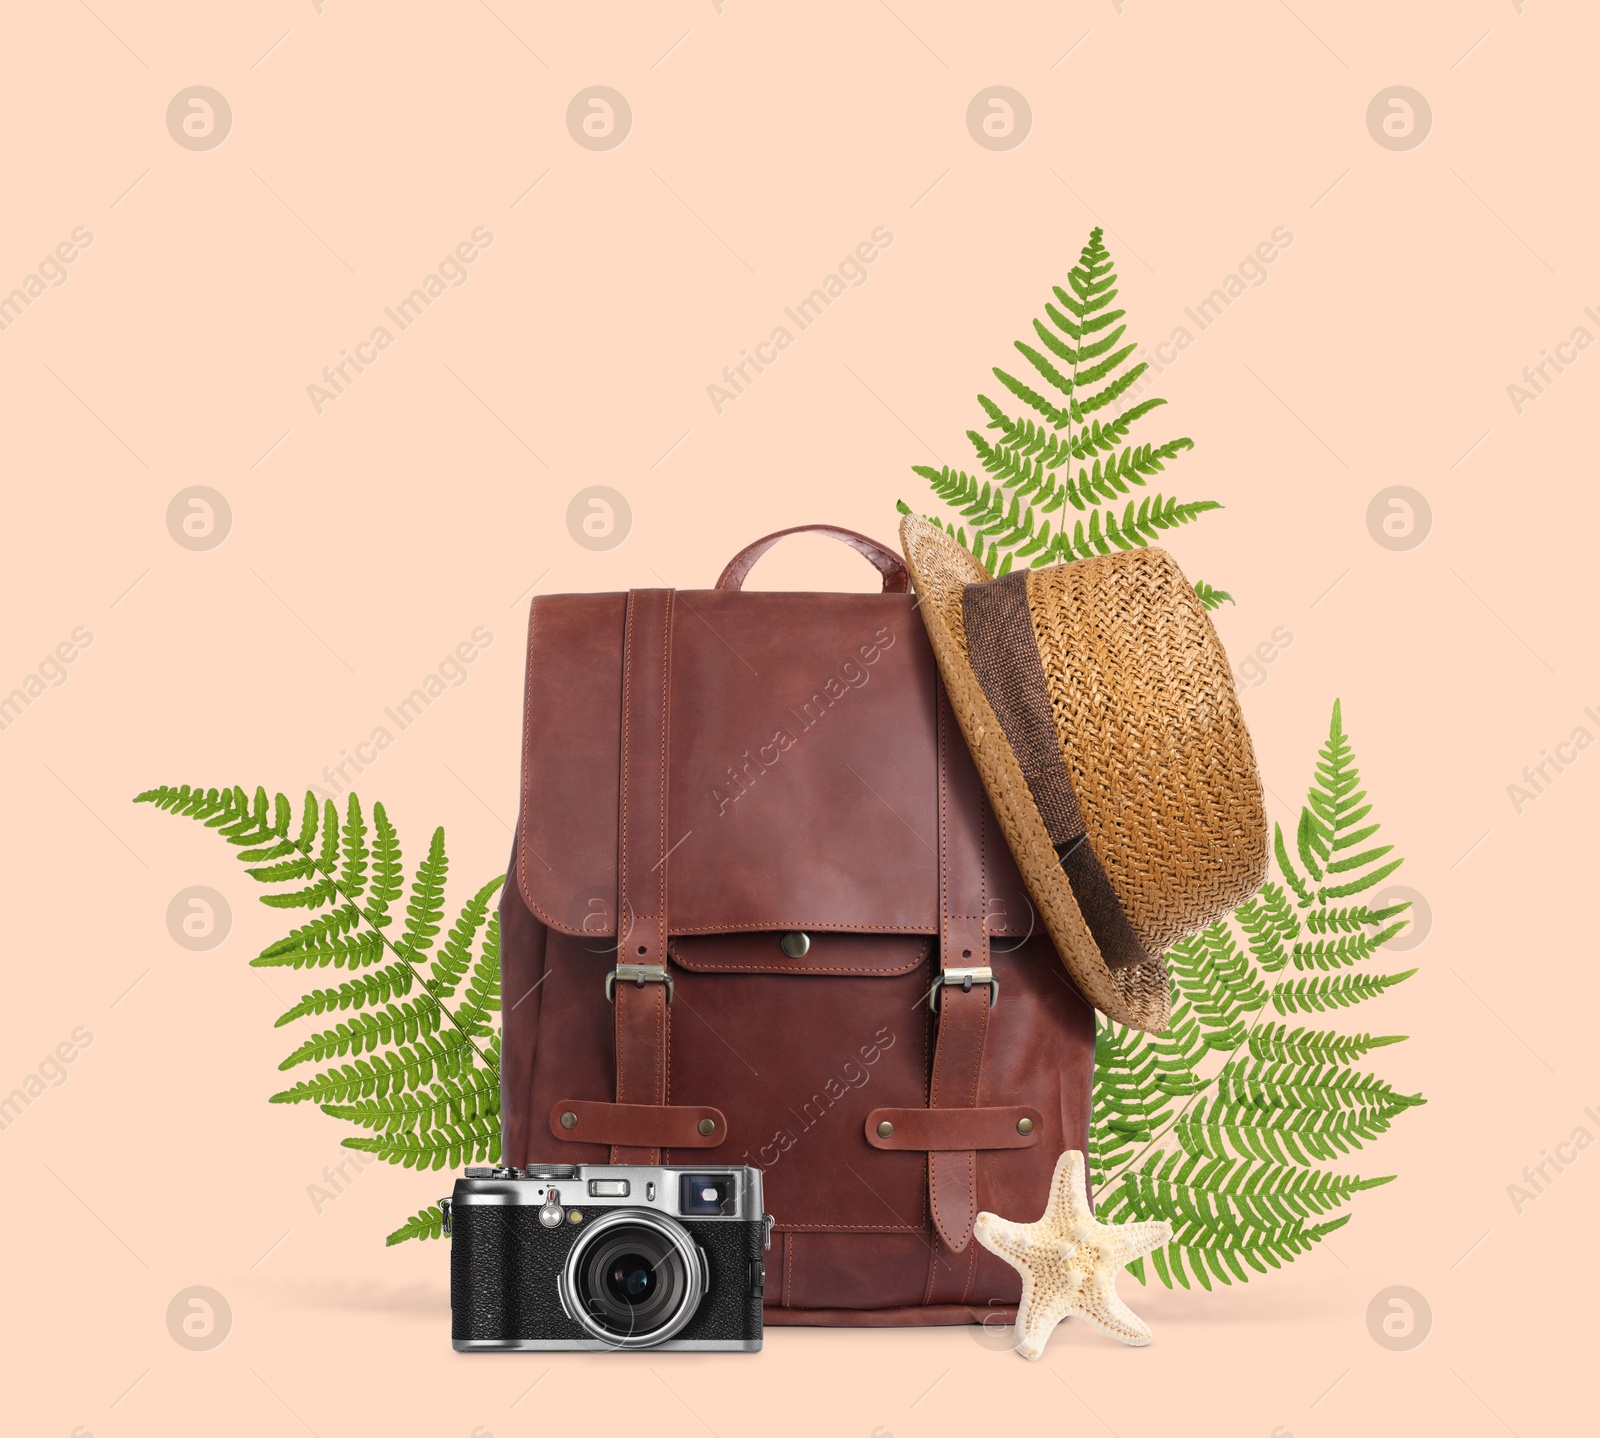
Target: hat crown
[1141, 704]
[1153, 736]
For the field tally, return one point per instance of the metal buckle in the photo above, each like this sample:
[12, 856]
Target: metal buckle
[966, 978]
[640, 975]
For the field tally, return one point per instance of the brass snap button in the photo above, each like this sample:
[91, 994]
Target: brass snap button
[707, 1126]
[1024, 1125]
[569, 1119]
[885, 1129]
[795, 944]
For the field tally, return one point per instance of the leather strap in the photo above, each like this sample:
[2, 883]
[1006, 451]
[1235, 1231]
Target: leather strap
[896, 578]
[963, 1013]
[642, 1020]
[937, 1129]
[636, 1125]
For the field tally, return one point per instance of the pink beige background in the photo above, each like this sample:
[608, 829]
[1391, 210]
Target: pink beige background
[430, 498]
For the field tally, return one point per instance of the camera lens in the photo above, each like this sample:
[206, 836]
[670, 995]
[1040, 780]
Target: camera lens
[630, 1278]
[633, 1279]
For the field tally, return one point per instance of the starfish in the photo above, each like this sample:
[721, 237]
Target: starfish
[1069, 1262]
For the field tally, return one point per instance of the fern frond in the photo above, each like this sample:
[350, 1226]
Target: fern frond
[474, 1095]
[355, 951]
[482, 997]
[426, 905]
[1081, 344]
[1350, 918]
[229, 811]
[1302, 1136]
[1228, 1213]
[426, 1223]
[1081, 409]
[423, 1081]
[329, 855]
[1035, 401]
[1280, 1043]
[1338, 953]
[1045, 368]
[1291, 875]
[387, 875]
[1128, 1107]
[1212, 974]
[447, 1145]
[446, 1054]
[393, 981]
[455, 954]
[1270, 1083]
[1268, 923]
[392, 1024]
[1296, 996]
[1237, 1171]
[353, 874]
[314, 896]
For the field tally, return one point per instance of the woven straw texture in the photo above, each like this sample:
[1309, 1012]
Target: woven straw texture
[1150, 729]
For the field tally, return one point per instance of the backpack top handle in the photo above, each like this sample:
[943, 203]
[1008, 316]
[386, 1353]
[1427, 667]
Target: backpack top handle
[896, 578]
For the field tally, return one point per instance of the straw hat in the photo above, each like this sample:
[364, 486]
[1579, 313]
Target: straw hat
[1100, 711]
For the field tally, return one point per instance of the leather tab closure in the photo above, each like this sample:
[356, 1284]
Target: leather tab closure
[957, 1058]
[637, 1125]
[641, 1029]
[940, 1129]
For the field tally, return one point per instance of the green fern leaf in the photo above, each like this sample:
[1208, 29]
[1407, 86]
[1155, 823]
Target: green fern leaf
[423, 1082]
[448, 1101]
[367, 1032]
[387, 875]
[1211, 973]
[393, 981]
[309, 818]
[447, 1145]
[353, 875]
[426, 906]
[1304, 1136]
[1281, 1044]
[427, 1223]
[1295, 996]
[1339, 953]
[405, 1066]
[455, 954]
[1238, 1168]
[1285, 867]
[354, 951]
[1030, 463]
[482, 997]
[313, 896]
[1351, 919]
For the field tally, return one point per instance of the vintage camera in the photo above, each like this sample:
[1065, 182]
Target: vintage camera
[580, 1256]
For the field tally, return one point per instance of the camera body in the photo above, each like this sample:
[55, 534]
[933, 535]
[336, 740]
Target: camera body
[595, 1257]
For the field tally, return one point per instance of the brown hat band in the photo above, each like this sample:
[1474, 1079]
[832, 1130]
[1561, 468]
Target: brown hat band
[1004, 653]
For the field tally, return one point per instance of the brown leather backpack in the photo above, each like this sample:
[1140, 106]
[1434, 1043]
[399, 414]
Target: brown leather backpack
[826, 965]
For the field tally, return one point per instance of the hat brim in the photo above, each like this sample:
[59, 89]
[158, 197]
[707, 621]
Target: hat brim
[1138, 995]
